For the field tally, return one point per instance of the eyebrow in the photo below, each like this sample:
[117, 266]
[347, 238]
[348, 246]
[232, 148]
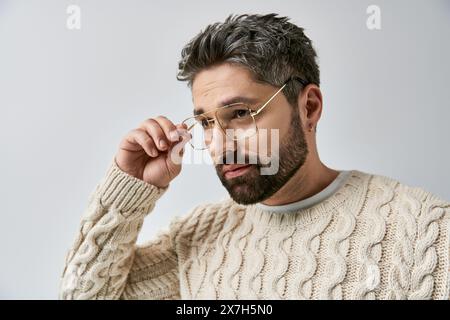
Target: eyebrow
[229, 101]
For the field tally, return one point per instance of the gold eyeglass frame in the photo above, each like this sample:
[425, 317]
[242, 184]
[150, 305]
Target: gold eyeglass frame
[252, 113]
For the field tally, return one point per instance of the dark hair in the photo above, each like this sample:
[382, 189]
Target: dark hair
[272, 48]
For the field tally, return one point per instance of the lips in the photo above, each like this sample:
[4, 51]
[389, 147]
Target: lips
[232, 167]
[235, 170]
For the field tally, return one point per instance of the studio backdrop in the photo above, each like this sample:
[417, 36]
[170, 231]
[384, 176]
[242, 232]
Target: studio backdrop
[76, 76]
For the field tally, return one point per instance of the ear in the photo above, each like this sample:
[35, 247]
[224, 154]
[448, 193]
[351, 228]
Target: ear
[310, 104]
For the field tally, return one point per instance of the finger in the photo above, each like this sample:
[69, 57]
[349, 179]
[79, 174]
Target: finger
[152, 127]
[177, 150]
[184, 133]
[169, 128]
[182, 126]
[185, 136]
[141, 138]
[180, 129]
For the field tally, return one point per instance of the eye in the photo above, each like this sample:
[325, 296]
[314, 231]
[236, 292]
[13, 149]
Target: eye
[241, 113]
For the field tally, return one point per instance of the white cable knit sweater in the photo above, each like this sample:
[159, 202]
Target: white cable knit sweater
[374, 238]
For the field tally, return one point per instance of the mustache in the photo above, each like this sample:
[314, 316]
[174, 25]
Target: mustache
[238, 157]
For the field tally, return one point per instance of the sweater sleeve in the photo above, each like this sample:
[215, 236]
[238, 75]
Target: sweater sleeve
[104, 261]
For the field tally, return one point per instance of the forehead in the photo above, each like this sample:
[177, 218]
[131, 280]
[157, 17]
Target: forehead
[222, 84]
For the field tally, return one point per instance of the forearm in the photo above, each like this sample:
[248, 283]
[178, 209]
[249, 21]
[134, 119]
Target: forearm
[100, 259]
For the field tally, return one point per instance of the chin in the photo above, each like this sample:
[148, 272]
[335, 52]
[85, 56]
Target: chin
[242, 195]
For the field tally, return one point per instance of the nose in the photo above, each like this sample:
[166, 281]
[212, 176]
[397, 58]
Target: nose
[220, 144]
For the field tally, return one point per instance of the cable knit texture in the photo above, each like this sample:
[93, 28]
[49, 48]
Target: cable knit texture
[374, 238]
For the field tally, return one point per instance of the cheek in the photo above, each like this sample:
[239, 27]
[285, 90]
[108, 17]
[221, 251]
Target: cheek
[271, 130]
[262, 145]
[279, 119]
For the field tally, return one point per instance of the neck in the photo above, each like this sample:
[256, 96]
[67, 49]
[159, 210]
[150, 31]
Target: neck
[310, 179]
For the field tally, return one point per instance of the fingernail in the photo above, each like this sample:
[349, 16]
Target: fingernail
[174, 136]
[162, 144]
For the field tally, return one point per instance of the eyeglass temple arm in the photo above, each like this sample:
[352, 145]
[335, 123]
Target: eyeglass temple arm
[301, 80]
[268, 101]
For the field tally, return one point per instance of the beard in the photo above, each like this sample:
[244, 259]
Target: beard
[252, 186]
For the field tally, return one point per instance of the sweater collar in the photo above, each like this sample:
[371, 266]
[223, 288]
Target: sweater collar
[312, 200]
[351, 189]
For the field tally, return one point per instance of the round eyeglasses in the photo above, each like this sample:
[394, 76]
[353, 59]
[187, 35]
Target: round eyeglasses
[237, 121]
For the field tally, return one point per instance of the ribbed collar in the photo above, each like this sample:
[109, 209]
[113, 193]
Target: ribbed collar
[350, 190]
[312, 200]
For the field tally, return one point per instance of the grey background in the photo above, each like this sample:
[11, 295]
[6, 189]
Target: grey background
[68, 97]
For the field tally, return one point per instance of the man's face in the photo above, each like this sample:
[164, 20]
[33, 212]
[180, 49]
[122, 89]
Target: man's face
[224, 84]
